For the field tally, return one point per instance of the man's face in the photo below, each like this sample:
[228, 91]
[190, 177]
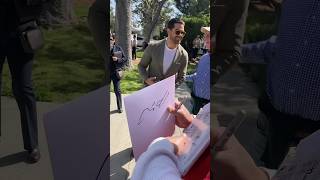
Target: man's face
[177, 33]
[111, 42]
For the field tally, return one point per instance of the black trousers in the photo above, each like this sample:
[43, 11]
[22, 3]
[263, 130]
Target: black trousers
[20, 65]
[117, 90]
[281, 131]
[134, 52]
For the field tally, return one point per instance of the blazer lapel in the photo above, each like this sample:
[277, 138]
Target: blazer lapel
[160, 54]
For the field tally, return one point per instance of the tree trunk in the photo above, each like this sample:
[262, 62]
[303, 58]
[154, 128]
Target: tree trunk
[58, 12]
[149, 27]
[123, 27]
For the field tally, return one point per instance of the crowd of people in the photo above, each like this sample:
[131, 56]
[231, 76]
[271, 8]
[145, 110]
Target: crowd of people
[289, 104]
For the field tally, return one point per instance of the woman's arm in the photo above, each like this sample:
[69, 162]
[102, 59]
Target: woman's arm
[158, 162]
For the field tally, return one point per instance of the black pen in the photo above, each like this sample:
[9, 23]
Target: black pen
[229, 131]
[179, 106]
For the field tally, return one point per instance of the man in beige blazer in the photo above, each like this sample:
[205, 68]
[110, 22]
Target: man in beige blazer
[166, 57]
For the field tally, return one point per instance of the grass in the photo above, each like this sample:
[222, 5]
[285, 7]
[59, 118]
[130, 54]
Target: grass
[67, 67]
[132, 81]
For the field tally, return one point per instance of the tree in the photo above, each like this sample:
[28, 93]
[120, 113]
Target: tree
[123, 27]
[151, 14]
[58, 12]
[112, 19]
[193, 7]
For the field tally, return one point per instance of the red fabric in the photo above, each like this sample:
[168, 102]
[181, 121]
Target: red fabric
[201, 169]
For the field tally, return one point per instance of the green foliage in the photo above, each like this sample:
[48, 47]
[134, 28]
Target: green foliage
[67, 67]
[260, 26]
[193, 7]
[192, 27]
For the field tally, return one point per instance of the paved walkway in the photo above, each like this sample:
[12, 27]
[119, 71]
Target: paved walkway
[234, 92]
[12, 165]
[121, 164]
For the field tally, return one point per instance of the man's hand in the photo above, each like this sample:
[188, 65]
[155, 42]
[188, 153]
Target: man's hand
[233, 161]
[150, 80]
[114, 58]
[182, 116]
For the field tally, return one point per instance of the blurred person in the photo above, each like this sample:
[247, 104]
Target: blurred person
[201, 78]
[134, 47]
[117, 63]
[97, 21]
[290, 102]
[234, 162]
[196, 44]
[229, 19]
[166, 57]
[17, 19]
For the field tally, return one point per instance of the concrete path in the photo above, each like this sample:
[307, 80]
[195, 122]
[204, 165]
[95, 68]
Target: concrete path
[234, 92]
[12, 155]
[121, 164]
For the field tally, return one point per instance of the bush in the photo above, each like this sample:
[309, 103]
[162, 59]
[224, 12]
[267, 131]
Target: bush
[192, 28]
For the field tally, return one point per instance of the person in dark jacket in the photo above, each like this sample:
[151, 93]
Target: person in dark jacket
[117, 62]
[13, 14]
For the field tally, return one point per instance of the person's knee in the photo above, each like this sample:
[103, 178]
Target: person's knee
[22, 91]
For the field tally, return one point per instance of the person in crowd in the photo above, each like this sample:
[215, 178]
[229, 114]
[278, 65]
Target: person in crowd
[117, 63]
[134, 47]
[16, 18]
[196, 44]
[229, 19]
[234, 162]
[290, 101]
[201, 78]
[166, 57]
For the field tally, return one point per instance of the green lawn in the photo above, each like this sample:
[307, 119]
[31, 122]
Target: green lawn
[132, 82]
[67, 67]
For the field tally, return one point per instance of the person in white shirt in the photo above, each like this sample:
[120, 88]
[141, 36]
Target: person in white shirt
[134, 47]
[166, 57]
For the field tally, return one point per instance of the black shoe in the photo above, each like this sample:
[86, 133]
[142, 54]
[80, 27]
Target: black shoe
[119, 110]
[33, 156]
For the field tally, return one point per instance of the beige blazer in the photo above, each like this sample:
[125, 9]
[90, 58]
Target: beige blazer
[151, 64]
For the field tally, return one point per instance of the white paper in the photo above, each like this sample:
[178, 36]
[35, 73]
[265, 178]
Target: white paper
[147, 114]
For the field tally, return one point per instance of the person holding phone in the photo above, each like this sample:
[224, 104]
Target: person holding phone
[117, 62]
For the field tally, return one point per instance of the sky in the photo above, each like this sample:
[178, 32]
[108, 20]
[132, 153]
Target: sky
[135, 18]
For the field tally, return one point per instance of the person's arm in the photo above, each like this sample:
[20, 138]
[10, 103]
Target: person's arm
[259, 53]
[233, 161]
[183, 70]
[191, 77]
[123, 58]
[144, 63]
[158, 162]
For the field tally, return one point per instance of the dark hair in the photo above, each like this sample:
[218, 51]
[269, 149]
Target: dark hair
[113, 37]
[173, 21]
